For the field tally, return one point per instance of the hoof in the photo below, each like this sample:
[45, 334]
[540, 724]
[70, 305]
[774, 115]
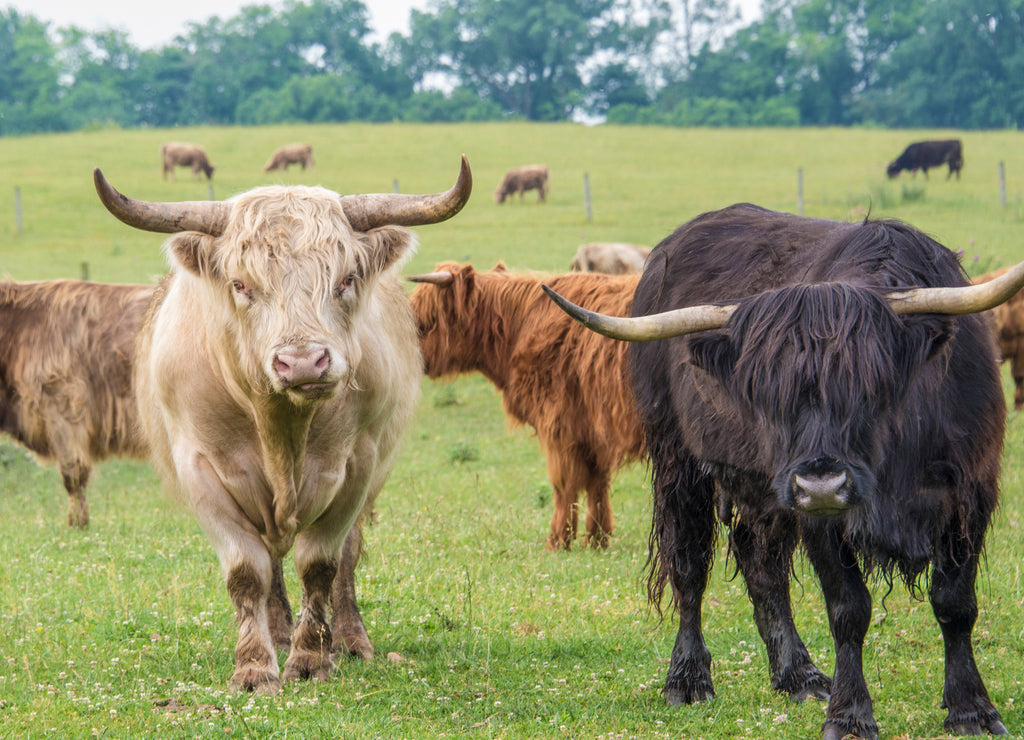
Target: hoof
[308, 666]
[257, 679]
[832, 731]
[676, 696]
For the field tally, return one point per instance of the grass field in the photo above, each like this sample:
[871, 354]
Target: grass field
[125, 631]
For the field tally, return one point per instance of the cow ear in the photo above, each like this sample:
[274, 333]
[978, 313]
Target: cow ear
[715, 354]
[388, 244]
[193, 251]
[931, 332]
[500, 267]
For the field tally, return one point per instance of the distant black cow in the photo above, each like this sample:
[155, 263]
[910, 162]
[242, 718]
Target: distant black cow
[818, 405]
[924, 154]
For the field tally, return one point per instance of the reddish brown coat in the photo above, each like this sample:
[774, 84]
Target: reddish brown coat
[1008, 323]
[568, 383]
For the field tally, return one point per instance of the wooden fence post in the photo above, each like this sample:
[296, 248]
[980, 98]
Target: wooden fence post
[586, 196]
[17, 208]
[800, 191]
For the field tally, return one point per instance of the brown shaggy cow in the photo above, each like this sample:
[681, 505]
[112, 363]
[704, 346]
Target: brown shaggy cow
[65, 375]
[176, 154]
[612, 258]
[521, 179]
[562, 380]
[1008, 324]
[275, 371]
[300, 154]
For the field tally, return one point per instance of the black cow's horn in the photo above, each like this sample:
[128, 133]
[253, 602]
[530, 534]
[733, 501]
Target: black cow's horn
[962, 300]
[646, 328]
[379, 209]
[442, 277]
[207, 216]
[967, 299]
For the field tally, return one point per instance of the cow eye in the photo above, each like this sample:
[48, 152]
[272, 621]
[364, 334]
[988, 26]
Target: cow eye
[238, 285]
[344, 285]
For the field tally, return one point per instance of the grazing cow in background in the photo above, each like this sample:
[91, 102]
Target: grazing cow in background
[521, 179]
[300, 154]
[611, 258]
[565, 382]
[275, 371]
[922, 155]
[194, 156]
[65, 375]
[1008, 325]
[804, 380]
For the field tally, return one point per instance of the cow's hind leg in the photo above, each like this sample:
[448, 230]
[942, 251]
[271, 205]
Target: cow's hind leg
[347, 628]
[952, 594]
[75, 476]
[600, 521]
[849, 614]
[567, 477]
[763, 547]
[682, 542]
[279, 611]
[310, 655]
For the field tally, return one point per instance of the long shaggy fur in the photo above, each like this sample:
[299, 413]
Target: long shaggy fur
[65, 375]
[815, 372]
[567, 383]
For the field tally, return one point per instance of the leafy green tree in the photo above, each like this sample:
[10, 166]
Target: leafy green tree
[525, 55]
[29, 76]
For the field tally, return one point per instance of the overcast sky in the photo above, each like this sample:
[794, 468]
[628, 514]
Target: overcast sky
[154, 24]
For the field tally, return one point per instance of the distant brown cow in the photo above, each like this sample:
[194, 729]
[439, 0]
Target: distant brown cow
[612, 258]
[564, 381]
[65, 375]
[176, 154]
[521, 179]
[1008, 324]
[300, 154]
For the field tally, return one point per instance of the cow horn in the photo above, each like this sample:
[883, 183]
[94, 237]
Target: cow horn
[961, 300]
[967, 299]
[370, 210]
[206, 216]
[442, 277]
[646, 328]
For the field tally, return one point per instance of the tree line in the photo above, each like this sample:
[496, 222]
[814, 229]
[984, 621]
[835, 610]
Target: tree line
[893, 63]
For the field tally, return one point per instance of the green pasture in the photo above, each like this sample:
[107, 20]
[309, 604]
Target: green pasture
[125, 630]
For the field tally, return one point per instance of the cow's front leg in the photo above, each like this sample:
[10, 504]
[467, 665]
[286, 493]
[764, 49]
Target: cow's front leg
[256, 668]
[248, 572]
[849, 613]
[75, 476]
[955, 605]
[310, 655]
[684, 533]
[766, 573]
[347, 626]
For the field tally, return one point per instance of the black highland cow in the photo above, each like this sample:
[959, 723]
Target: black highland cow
[831, 403]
